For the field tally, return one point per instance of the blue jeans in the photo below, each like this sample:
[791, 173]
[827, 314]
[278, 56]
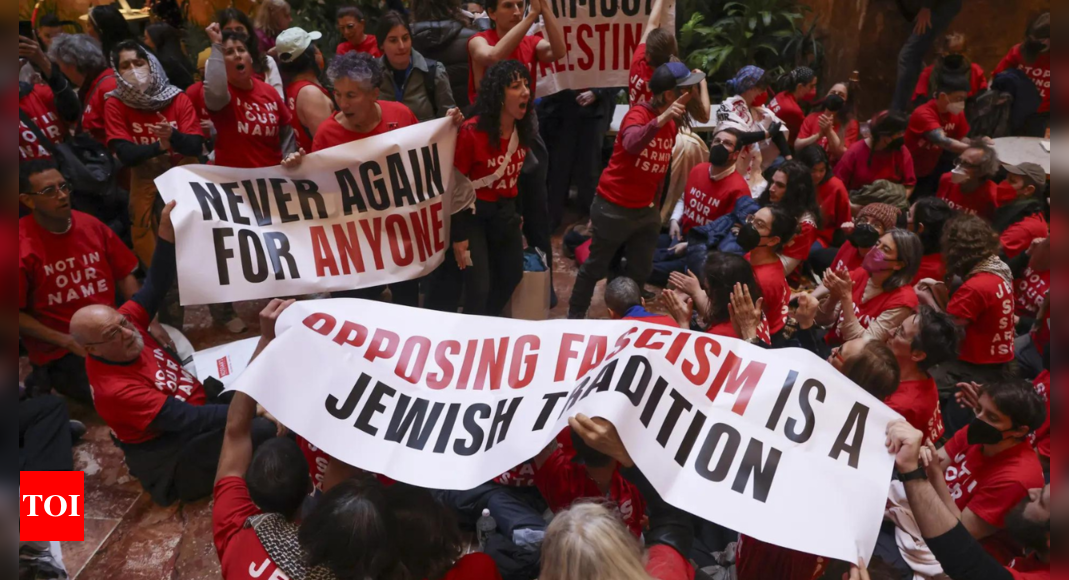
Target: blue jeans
[911, 59]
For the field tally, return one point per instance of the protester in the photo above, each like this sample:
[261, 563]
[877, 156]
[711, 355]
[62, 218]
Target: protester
[764, 236]
[80, 59]
[871, 223]
[624, 214]
[870, 364]
[927, 218]
[165, 41]
[970, 188]
[309, 103]
[936, 127]
[486, 238]
[353, 28]
[1020, 219]
[273, 17]
[47, 28]
[932, 20]
[922, 342]
[233, 20]
[834, 127]
[799, 86]
[792, 189]
[880, 156]
[346, 535]
[250, 116]
[158, 412]
[45, 111]
[60, 250]
[623, 298]
[508, 40]
[723, 275]
[1033, 57]
[195, 92]
[108, 26]
[441, 32]
[832, 197]
[657, 48]
[712, 188]
[872, 301]
[410, 78]
[954, 61]
[151, 126]
[747, 113]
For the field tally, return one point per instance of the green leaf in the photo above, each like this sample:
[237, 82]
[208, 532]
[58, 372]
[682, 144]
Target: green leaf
[753, 23]
[767, 16]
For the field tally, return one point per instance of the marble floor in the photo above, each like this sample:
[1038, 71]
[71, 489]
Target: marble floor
[129, 538]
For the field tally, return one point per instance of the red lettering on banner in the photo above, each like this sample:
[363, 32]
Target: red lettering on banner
[439, 382]
[351, 334]
[566, 354]
[424, 346]
[349, 248]
[400, 240]
[677, 347]
[595, 354]
[492, 364]
[528, 361]
[582, 33]
[51, 506]
[731, 380]
[325, 323]
[646, 338]
[373, 231]
[324, 258]
[383, 345]
[703, 347]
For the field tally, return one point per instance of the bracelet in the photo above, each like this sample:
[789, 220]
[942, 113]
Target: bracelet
[921, 474]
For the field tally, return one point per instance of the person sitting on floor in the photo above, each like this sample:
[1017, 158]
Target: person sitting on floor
[624, 299]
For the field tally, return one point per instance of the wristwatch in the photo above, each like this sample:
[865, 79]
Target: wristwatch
[920, 475]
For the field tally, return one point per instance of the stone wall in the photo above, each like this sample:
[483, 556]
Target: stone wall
[200, 10]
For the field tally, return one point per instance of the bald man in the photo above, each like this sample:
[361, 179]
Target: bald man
[159, 414]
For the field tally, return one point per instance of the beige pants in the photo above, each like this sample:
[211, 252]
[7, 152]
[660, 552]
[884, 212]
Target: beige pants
[144, 219]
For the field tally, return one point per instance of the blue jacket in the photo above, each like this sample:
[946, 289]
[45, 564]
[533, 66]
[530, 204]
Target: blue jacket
[716, 236]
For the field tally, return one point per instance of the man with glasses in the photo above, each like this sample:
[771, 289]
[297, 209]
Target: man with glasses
[159, 414]
[970, 188]
[67, 260]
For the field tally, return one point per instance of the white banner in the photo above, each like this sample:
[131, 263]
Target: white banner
[225, 363]
[354, 216]
[602, 36]
[774, 444]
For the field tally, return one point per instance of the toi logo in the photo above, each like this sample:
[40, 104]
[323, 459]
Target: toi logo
[51, 506]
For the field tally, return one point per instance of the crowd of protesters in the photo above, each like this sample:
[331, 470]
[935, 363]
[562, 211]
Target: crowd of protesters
[898, 248]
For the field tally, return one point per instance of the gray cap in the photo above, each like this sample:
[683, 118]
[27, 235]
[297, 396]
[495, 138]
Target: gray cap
[1033, 171]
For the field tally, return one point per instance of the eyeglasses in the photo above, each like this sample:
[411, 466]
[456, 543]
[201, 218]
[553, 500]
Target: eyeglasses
[54, 190]
[752, 220]
[111, 335]
[965, 164]
[728, 144]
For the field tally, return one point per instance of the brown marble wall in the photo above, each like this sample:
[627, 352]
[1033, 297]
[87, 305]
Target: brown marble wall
[200, 10]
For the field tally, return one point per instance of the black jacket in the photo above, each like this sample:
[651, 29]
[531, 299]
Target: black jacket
[446, 41]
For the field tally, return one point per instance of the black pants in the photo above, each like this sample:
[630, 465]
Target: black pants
[66, 376]
[496, 246]
[403, 293]
[573, 136]
[534, 200]
[616, 227]
[44, 435]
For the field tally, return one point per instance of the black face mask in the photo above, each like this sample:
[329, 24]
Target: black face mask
[1035, 46]
[896, 144]
[954, 61]
[719, 156]
[983, 433]
[865, 236]
[834, 103]
[749, 238]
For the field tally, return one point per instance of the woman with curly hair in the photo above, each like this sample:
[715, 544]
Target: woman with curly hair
[792, 189]
[487, 257]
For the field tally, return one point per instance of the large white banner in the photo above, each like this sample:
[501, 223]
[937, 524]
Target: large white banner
[354, 216]
[602, 36]
[774, 444]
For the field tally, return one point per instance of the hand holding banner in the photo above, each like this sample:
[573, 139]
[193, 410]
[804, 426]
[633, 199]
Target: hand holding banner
[777, 445]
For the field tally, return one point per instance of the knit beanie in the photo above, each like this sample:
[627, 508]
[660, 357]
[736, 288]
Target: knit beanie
[881, 213]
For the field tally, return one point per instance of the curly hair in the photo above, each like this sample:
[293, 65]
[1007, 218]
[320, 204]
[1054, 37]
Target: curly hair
[801, 196]
[358, 67]
[721, 273]
[989, 163]
[967, 241]
[492, 100]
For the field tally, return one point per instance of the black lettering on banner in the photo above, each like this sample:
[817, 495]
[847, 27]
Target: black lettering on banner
[376, 193]
[402, 188]
[432, 170]
[350, 192]
[415, 423]
[751, 467]
[654, 400]
[627, 380]
[447, 428]
[547, 410]
[857, 420]
[278, 245]
[233, 200]
[807, 410]
[499, 428]
[307, 194]
[222, 253]
[688, 440]
[281, 199]
[727, 457]
[345, 411]
[577, 393]
[603, 382]
[373, 407]
[417, 177]
[474, 429]
[209, 199]
[679, 405]
[781, 402]
[261, 206]
[248, 242]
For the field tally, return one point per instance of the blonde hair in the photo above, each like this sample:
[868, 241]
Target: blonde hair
[588, 542]
[267, 15]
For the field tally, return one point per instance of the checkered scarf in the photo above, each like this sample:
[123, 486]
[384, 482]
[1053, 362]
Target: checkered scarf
[279, 539]
[158, 96]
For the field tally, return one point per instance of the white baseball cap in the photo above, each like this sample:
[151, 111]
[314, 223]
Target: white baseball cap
[293, 42]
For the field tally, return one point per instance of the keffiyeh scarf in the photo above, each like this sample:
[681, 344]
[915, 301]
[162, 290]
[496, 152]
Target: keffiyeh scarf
[158, 96]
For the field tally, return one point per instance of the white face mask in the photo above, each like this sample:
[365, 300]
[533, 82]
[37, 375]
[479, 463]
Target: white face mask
[959, 176]
[140, 78]
[956, 108]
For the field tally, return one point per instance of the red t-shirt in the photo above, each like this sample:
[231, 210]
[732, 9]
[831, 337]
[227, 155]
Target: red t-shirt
[925, 119]
[39, 104]
[195, 92]
[979, 203]
[727, 329]
[639, 80]
[563, 482]
[992, 486]
[1038, 71]
[634, 181]
[1019, 237]
[317, 460]
[475, 159]
[977, 82]
[705, 200]
[932, 266]
[124, 123]
[665, 563]
[241, 554]
[773, 282]
[1041, 438]
[304, 138]
[1032, 289]
[786, 107]
[860, 167]
[848, 258]
[835, 210]
[811, 126]
[331, 133]
[476, 566]
[918, 402]
[93, 116]
[986, 302]
[370, 45]
[803, 241]
[248, 128]
[867, 312]
[757, 560]
[1030, 568]
[526, 53]
[59, 274]
[128, 397]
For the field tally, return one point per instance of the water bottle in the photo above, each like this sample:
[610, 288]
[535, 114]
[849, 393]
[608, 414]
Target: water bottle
[485, 526]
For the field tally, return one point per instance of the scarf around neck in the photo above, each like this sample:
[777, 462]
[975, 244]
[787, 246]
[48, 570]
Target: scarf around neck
[279, 539]
[993, 265]
[158, 96]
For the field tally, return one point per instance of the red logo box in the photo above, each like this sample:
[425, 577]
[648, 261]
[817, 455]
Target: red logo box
[51, 506]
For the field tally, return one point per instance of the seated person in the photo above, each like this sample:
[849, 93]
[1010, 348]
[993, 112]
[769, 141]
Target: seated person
[970, 188]
[67, 260]
[792, 189]
[937, 127]
[832, 198]
[926, 219]
[882, 155]
[923, 341]
[624, 299]
[1020, 218]
[952, 60]
[768, 232]
[158, 412]
[832, 126]
[872, 222]
[712, 297]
